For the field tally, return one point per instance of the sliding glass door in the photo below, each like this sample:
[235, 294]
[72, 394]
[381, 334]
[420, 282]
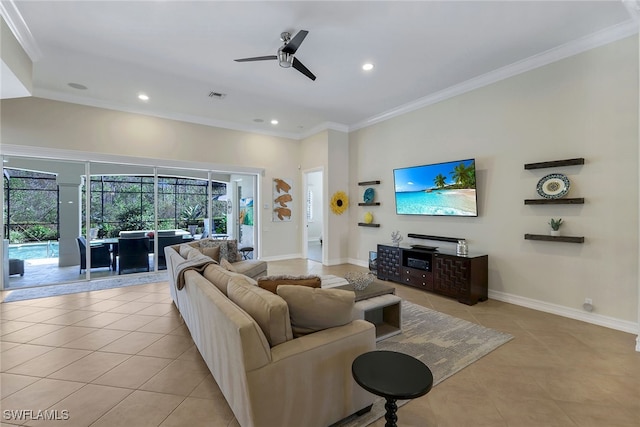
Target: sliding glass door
[42, 225]
[67, 221]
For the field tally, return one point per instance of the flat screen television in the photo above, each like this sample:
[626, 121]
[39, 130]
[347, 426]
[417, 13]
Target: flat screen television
[440, 189]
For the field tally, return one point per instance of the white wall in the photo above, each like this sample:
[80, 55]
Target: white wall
[329, 151]
[45, 124]
[583, 106]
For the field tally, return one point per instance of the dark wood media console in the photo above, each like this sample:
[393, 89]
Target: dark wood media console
[462, 277]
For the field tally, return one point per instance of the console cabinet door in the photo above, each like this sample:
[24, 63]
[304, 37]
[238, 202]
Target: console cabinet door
[452, 275]
[389, 258]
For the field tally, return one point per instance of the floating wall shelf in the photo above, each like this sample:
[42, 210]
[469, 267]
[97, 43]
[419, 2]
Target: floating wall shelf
[544, 237]
[570, 201]
[364, 183]
[554, 163]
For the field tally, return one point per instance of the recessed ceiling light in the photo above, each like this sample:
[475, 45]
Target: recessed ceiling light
[274, 122]
[77, 86]
[143, 97]
[367, 67]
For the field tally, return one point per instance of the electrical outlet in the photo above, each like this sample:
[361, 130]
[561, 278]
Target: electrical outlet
[588, 301]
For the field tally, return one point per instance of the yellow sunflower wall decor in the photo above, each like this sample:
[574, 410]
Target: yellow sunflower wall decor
[339, 202]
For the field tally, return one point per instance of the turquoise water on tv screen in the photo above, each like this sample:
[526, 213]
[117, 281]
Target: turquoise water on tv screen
[437, 202]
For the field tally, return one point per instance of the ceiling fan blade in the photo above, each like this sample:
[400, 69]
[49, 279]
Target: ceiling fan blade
[295, 42]
[257, 58]
[304, 70]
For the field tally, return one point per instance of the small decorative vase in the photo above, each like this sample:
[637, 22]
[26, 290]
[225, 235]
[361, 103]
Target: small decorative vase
[462, 248]
[368, 218]
[554, 232]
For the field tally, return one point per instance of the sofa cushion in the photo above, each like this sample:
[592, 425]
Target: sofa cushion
[220, 277]
[227, 265]
[268, 310]
[315, 309]
[251, 267]
[271, 283]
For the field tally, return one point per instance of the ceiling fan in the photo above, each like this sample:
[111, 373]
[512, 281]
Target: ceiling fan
[286, 53]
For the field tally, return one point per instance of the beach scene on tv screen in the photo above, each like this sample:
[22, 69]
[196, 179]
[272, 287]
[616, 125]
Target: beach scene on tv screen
[438, 189]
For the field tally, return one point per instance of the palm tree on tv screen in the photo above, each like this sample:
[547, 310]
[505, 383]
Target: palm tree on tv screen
[440, 180]
[464, 176]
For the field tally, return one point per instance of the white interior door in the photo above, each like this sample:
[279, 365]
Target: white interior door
[313, 239]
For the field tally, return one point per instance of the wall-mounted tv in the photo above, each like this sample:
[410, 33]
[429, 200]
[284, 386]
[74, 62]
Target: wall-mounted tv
[441, 189]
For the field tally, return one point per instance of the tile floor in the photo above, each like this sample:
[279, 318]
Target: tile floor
[46, 271]
[122, 357]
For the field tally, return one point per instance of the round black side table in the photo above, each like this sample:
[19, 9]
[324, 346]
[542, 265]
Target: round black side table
[393, 376]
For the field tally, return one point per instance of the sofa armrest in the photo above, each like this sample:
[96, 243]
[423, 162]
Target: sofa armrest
[312, 375]
[172, 258]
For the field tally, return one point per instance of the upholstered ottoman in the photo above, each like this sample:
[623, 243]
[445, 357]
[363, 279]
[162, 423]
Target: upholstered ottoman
[16, 266]
[384, 311]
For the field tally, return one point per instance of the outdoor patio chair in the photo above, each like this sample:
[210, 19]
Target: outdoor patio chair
[133, 254]
[164, 241]
[100, 255]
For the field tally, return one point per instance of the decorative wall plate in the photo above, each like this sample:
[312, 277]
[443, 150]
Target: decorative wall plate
[553, 186]
[369, 194]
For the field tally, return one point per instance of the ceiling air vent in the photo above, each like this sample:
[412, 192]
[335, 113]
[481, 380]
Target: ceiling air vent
[217, 95]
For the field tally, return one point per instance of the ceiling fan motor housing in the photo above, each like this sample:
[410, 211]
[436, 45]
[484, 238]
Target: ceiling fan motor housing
[284, 59]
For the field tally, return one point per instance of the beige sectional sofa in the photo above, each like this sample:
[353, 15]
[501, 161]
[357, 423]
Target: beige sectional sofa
[244, 335]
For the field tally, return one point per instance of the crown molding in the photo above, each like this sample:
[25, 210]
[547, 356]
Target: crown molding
[633, 7]
[322, 127]
[592, 41]
[12, 16]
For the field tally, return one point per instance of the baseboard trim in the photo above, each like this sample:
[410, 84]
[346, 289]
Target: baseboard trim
[281, 257]
[358, 262]
[572, 313]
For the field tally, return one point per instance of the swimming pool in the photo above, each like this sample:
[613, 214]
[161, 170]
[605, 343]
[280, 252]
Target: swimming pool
[34, 250]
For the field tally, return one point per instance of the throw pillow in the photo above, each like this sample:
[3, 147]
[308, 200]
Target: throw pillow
[227, 265]
[232, 251]
[211, 243]
[269, 311]
[212, 252]
[271, 283]
[314, 309]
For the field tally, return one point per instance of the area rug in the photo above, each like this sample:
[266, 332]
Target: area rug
[444, 343]
[94, 285]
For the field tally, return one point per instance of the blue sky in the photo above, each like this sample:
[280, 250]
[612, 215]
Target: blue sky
[418, 178]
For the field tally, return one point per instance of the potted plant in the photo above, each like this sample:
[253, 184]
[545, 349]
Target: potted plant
[192, 216]
[555, 226]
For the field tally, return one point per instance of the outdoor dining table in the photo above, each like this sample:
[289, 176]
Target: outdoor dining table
[113, 243]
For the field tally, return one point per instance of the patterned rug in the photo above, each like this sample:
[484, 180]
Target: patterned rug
[94, 285]
[444, 343]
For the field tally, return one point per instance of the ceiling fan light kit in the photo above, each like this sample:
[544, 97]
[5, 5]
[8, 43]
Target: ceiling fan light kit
[286, 53]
